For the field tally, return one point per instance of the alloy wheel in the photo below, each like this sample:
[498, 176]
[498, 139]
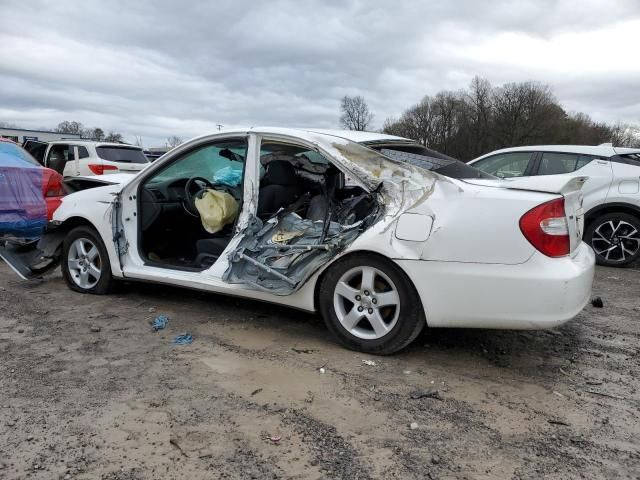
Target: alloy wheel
[616, 240]
[366, 302]
[84, 263]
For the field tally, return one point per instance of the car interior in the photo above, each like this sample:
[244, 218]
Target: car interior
[293, 179]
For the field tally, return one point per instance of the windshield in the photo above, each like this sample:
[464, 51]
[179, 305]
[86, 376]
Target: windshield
[428, 159]
[122, 154]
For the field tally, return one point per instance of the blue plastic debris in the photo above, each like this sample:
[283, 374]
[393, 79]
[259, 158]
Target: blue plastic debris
[160, 322]
[184, 339]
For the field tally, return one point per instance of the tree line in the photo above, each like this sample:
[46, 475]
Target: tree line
[468, 123]
[95, 133]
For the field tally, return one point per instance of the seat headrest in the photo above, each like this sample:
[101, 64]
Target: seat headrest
[280, 172]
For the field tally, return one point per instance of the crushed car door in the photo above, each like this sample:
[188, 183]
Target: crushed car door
[306, 214]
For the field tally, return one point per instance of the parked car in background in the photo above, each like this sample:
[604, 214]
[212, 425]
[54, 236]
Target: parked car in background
[318, 221]
[29, 193]
[611, 191]
[73, 158]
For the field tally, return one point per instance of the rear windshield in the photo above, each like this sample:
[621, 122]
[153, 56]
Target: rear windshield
[18, 152]
[122, 154]
[428, 159]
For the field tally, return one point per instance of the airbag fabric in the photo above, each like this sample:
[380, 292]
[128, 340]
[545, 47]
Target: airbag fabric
[216, 209]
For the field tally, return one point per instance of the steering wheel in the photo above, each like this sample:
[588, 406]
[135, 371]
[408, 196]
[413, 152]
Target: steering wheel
[191, 193]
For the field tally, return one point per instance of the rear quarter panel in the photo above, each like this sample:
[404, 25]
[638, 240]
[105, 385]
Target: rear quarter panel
[480, 224]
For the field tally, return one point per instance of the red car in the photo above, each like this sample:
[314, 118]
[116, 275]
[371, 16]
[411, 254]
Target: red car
[29, 192]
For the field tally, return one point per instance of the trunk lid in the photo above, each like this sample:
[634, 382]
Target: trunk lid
[569, 188]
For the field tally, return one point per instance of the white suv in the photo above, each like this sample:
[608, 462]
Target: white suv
[73, 158]
[611, 193]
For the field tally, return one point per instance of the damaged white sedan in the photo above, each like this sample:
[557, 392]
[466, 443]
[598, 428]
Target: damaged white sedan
[378, 233]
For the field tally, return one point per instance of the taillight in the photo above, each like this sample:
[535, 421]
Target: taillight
[546, 228]
[99, 169]
[52, 184]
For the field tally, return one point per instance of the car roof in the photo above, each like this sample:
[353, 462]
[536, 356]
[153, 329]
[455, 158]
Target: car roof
[307, 132]
[93, 142]
[606, 150]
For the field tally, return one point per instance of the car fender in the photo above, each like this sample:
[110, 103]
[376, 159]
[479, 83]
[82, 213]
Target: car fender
[93, 207]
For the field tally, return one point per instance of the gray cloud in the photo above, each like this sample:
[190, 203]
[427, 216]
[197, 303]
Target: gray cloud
[161, 68]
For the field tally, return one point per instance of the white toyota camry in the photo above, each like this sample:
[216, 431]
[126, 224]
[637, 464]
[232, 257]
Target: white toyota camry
[379, 234]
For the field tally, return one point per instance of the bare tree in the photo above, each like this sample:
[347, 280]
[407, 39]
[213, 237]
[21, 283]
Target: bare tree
[72, 127]
[355, 114]
[417, 122]
[113, 137]
[625, 135]
[98, 133]
[174, 141]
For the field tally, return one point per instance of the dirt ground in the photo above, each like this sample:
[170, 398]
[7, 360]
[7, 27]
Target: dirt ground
[89, 391]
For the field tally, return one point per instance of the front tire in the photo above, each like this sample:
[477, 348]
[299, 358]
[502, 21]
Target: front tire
[615, 239]
[85, 262]
[370, 305]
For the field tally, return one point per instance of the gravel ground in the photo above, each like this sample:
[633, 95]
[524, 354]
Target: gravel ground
[89, 391]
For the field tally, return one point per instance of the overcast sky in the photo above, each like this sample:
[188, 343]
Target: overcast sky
[160, 68]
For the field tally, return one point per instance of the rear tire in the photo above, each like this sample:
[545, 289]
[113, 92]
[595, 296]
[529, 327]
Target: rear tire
[615, 239]
[370, 305]
[85, 263]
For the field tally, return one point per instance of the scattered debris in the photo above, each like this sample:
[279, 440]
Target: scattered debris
[321, 370]
[371, 363]
[413, 425]
[256, 391]
[593, 382]
[597, 302]
[152, 309]
[95, 328]
[429, 393]
[604, 394]
[160, 322]
[556, 421]
[21, 330]
[302, 350]
[309, 398]
[275, 439]
[174, 442]
[559, 394]
[564, 373]
[182, 339]
[435, 459]
[407, 372]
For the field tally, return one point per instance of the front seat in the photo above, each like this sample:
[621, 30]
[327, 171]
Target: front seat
[278, 188]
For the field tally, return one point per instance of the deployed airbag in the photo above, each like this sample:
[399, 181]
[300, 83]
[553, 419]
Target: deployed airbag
[216, 210]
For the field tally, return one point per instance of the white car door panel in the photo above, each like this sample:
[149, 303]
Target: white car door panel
[133, 262]
[626, 186]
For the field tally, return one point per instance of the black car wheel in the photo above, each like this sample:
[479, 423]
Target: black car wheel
[370, 304]
[615, 239]
[85, 262]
